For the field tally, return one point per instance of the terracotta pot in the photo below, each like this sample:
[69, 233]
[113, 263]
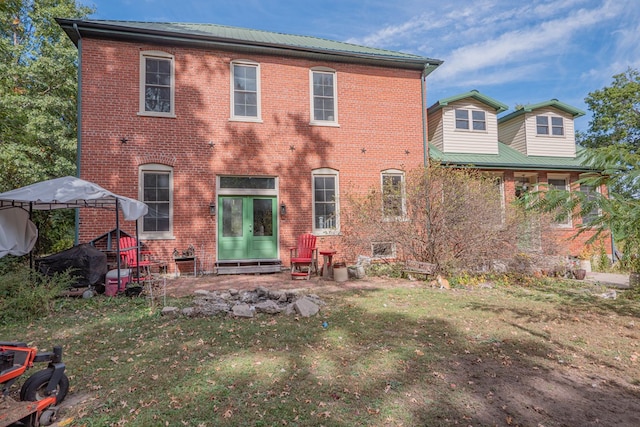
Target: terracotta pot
[580, 273]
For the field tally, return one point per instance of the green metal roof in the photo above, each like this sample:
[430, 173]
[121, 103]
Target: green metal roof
[497, 105]
[509, 159]
[223, 37]
[575, 112]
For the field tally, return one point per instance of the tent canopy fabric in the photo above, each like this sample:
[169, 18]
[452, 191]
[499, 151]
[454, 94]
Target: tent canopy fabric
[71, 192]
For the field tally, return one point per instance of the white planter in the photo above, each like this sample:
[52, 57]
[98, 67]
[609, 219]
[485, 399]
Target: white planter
[585, 264]
[340, 274]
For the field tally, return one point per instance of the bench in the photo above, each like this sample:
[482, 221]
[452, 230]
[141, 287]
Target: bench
[418, 267]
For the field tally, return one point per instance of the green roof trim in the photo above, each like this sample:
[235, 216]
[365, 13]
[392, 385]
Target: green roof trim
[225, 37]
[575, 112]
[493, 103]
[510, 159]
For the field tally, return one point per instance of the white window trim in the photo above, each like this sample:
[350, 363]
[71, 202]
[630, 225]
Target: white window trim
[325, 231]
[470, 120]
[567, 187]
[313, 121]
[550, 126]
[159, 55]
[233, 117]
[400, 173]
[155, 168]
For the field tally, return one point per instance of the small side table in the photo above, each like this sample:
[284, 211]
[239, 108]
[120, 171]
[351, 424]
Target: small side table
[327, 264]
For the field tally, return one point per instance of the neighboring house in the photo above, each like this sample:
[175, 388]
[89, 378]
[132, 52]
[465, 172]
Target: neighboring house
[533, 146]
[240, 140]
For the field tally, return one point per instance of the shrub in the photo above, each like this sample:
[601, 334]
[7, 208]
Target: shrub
[454, 218]
[26, 294]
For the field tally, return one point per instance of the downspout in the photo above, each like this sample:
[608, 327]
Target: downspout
[425, 147]
[79, 122]
[428, 69]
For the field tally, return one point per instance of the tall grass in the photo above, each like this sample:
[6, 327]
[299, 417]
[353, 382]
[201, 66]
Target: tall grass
[26, 294]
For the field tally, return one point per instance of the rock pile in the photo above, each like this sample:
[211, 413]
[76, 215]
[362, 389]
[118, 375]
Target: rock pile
[249, 303]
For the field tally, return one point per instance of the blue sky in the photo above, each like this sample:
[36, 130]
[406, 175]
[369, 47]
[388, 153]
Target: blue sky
[517, 52]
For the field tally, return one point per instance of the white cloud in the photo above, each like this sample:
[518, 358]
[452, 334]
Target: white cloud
[533, 44]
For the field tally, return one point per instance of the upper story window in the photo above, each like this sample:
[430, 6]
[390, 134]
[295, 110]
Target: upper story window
[549, 125]
[393, 195]
[473, 120]
[324, 95]
[326, 205]
[157, 84]
[245, 91]
[156, 190]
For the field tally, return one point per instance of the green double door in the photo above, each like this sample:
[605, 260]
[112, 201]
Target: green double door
[247, 228]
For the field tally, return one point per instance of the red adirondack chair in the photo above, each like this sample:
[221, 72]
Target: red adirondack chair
[129, 251]
[304, 257]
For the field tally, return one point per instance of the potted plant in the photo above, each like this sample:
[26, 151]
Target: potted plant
[585, 256]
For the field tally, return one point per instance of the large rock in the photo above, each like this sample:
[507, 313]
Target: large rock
[305, 307]
[170, 311]
[242, 310]
[268, 306]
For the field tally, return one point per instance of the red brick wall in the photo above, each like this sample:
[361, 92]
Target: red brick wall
[379, 110]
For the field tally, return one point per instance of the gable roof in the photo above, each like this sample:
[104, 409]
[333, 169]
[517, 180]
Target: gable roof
[510, 159]
[224, 37]
[575, 112]
[495, 104]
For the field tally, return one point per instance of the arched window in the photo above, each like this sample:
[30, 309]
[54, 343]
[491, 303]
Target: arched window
[326, 201]
[156, 190]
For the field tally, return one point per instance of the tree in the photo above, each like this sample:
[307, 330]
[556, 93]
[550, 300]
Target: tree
[38, 87]
[616, 113]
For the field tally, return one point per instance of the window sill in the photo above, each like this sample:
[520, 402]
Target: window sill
[148, 236]
[326, 124]
[546, 135]
[470, 130]
[246, 119]
[562, 226]
[152, 114]
[320, 232]
[403, 218]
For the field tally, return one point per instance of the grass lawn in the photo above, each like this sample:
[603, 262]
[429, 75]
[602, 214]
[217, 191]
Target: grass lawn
[550, 354]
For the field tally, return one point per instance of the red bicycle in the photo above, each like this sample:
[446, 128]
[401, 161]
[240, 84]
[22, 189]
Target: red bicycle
[41, 392]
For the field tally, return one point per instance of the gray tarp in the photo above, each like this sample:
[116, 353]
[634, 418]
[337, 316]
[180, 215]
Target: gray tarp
[17, 233]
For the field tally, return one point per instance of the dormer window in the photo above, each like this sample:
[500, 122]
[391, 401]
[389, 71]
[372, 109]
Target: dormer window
[546, 123]
[473, 120]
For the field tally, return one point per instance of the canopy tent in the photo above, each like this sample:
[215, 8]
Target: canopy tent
[70, 192]
[61, 193]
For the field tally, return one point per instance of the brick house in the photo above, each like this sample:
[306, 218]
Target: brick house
[533, 146]
[240, 140]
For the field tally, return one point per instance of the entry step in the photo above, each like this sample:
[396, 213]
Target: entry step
[249, 266]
